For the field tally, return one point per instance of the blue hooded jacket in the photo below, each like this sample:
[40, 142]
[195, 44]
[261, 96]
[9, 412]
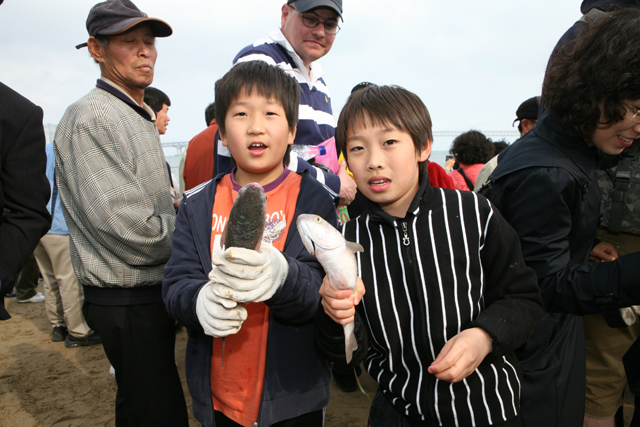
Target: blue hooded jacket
[297, 376]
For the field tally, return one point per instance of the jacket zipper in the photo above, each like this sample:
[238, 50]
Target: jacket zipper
[405, 238]
[411, 276]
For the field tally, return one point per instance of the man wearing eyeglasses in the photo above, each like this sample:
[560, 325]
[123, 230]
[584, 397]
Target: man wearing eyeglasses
[308, 29]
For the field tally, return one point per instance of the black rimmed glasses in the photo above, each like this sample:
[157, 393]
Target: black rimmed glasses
[312, 21]
[635, 111]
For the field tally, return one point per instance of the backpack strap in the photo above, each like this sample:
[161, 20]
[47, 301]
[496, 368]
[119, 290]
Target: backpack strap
[620, 188]
[467, 180]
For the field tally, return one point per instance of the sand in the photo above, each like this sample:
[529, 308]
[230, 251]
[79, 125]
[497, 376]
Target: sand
[44, 384]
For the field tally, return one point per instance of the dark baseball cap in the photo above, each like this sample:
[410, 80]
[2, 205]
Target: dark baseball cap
[528, 109]
[113, 17]
[361, 85]
[307, 5]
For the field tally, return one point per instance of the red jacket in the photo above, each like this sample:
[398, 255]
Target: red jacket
[438, 176]
[199, 164]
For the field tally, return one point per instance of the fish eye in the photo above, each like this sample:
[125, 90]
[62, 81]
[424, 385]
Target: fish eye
[318, 219]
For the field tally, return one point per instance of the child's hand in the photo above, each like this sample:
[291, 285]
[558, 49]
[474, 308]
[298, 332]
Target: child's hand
[244, 275]
[218, 318]
[603, 251]
[347, 185]
[340, 305]
[461, 355]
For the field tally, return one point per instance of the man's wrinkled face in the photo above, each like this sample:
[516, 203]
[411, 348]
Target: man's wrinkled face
[310, 44]
[130, 58]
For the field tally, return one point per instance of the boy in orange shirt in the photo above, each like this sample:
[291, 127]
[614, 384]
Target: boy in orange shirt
[272, 374]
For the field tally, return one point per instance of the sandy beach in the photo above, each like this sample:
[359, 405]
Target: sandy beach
[44, 384]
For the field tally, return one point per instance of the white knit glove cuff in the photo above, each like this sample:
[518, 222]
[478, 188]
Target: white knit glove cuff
[218, 320]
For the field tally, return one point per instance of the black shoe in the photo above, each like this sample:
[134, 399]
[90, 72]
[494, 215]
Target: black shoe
[11, 294]
[347, 384]
[59, 334]
[345, 377]
[92, 339]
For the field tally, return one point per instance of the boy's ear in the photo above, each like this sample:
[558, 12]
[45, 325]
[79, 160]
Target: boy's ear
[223, 138]
[292, 136]
[426, 152]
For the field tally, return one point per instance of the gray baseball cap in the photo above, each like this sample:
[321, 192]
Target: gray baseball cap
[113, 17]
[307, 5]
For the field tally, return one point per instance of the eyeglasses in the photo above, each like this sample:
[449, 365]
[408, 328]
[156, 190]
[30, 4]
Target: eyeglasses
[312, 21]
[635, 111]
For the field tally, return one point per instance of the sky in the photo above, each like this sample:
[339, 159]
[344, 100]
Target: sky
[471, 62]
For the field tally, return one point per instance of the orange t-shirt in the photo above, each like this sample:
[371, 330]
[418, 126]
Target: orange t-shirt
[236, 387]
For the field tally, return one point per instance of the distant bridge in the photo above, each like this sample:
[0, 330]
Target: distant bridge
[443, 133]
[177, 145]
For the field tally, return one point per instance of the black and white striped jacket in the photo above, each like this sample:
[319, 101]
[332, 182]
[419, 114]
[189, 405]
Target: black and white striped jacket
[452, 263]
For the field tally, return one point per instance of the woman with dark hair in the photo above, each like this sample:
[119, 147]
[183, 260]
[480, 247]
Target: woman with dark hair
[470, 150]
[545, 186]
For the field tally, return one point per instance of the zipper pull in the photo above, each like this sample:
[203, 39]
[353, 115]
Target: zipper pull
[405, 238]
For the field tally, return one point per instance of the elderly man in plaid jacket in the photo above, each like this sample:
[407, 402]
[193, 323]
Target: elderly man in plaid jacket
[114, 186]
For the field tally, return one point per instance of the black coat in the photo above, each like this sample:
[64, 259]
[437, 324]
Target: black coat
[24, 189]
[545, 187]
[450, 264]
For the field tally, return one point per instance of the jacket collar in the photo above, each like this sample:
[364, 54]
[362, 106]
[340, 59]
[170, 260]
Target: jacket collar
[114, 90]
[574, 147]
[548, 144]
[316, 69]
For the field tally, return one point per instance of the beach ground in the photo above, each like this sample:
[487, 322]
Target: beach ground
[44, 384]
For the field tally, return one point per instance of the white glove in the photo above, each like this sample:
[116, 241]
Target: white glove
[245, 275]
[218, 320]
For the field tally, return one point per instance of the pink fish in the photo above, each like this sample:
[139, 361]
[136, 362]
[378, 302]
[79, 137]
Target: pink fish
[338, 259]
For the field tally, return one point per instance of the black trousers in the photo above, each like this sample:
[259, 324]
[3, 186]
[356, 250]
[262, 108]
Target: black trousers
[27, 280]
[312, 419]
[139, 341]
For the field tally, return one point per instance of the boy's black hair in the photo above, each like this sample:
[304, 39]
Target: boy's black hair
[472, 147]
[210, 113]
[600, 68]
[267, 80]
[154, 98]
[386, 105]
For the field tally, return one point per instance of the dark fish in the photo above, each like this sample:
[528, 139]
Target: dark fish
[246, 223]
[246, 220]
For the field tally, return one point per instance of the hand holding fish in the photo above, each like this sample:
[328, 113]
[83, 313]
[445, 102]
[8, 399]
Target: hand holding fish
[245, 275]
[218, 320]
[340, 304]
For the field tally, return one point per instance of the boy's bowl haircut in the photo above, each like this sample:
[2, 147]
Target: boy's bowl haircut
[269, 81]
[386, 105]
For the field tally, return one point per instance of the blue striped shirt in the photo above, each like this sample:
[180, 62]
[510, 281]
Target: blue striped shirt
[315, 118]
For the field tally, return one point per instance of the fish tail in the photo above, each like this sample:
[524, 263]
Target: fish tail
[360, 385]
[350, 342]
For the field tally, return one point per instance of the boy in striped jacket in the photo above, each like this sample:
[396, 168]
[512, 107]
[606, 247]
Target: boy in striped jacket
[448, 296]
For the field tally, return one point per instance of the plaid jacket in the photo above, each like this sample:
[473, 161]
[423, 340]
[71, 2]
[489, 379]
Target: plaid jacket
[114, 185]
